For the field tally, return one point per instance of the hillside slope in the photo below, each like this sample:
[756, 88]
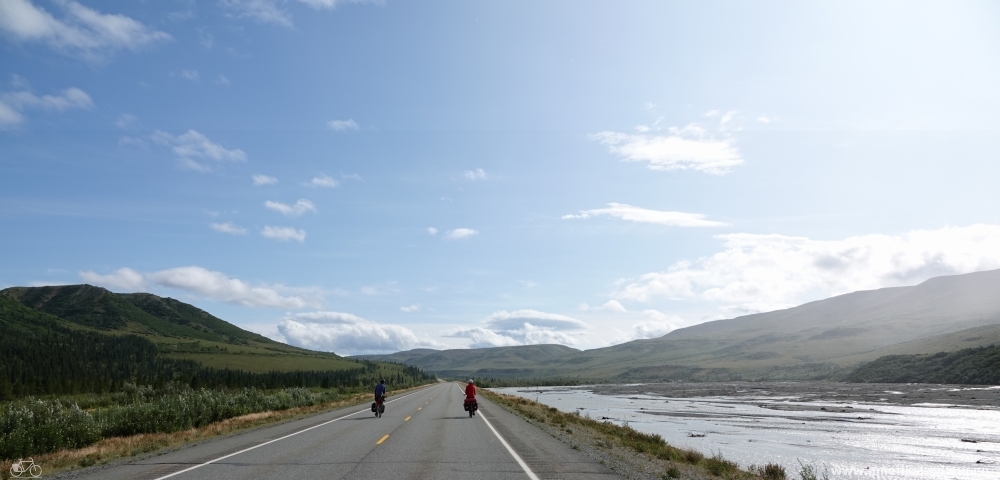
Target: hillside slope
[809, 341]
[179, 331]
[970, 366]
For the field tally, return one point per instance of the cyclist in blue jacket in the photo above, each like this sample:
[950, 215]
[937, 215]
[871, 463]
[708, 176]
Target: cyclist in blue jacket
[380, 390]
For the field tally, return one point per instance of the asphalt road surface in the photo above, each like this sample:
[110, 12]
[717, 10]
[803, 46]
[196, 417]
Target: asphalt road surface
[423, 434]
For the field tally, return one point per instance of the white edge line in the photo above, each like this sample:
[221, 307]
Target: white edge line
[517, 457]
[292, 435]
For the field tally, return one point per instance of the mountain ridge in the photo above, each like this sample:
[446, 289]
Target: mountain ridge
[818, 339]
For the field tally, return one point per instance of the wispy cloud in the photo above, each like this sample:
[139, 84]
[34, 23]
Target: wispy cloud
[609, 306]
[260, 11]
[12, 104]
[343, 125]
[283, 233]
[127, 121]
[431, 231]
[222, 80]
[193, 145]
[332, 4]
[323, 181]
[460, 234]
[260, 179]
[410, 308]
[228, 227]
[191, 75]
[678, 148]
[300, 207]
[81, 32]
[643, 215]
[477, 174]
[755, 273]
[209, 284]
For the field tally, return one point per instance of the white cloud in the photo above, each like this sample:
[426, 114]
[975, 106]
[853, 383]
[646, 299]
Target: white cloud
[191, 75]
[209, 284]
[70, 98]
[410, 308]
[260, 11]
[755, 273]
[657, 325]
[349, 334]
[283, 233]
[350, 176]
[432, 231]
[18, 81]
[81, 31]
[609, 306]
[764, 119]
[343, 125]
[332, 4]
[229, 227]
[121, 279]
[127, 121]
[522, 327]
[8, 116]
[13, 103]
[323, 181]
[642, 215]
[688, 148]
[300, 207]
[460, 233]
[192, 144]
[477, 174]
[259, 179]
[222, 80]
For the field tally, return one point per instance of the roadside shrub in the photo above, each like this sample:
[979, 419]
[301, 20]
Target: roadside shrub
[36, 426]
[771, 471]
[32, 427]
[672, 472]
[809, 472]
[716, 465]
[693, 456]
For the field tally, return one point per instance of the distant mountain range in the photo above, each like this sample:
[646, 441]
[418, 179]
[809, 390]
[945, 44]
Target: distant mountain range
[825, 339]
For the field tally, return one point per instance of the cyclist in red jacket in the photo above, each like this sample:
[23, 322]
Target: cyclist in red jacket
[471, 405]
[470, 391]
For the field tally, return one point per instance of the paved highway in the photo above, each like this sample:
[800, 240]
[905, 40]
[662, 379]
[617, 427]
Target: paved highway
[423, 434]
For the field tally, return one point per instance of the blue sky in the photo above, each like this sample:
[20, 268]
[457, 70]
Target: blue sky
[367, 177]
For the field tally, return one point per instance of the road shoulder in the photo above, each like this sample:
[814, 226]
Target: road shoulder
[547, 456]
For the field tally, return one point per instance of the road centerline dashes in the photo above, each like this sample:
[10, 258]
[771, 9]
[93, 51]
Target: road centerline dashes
[173, 474]
[407, 419]
[379, 442]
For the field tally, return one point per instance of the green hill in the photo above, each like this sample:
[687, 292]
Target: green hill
[970, 366]
[84, 339]
[179, 330]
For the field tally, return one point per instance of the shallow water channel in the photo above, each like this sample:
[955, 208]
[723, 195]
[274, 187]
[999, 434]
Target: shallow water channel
[883, 434]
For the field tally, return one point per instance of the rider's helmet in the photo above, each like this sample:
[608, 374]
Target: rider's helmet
[471, 381]
[381, 380]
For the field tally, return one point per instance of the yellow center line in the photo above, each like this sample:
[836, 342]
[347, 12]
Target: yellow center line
[381, 440]
[407, 419]
[420, 408]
